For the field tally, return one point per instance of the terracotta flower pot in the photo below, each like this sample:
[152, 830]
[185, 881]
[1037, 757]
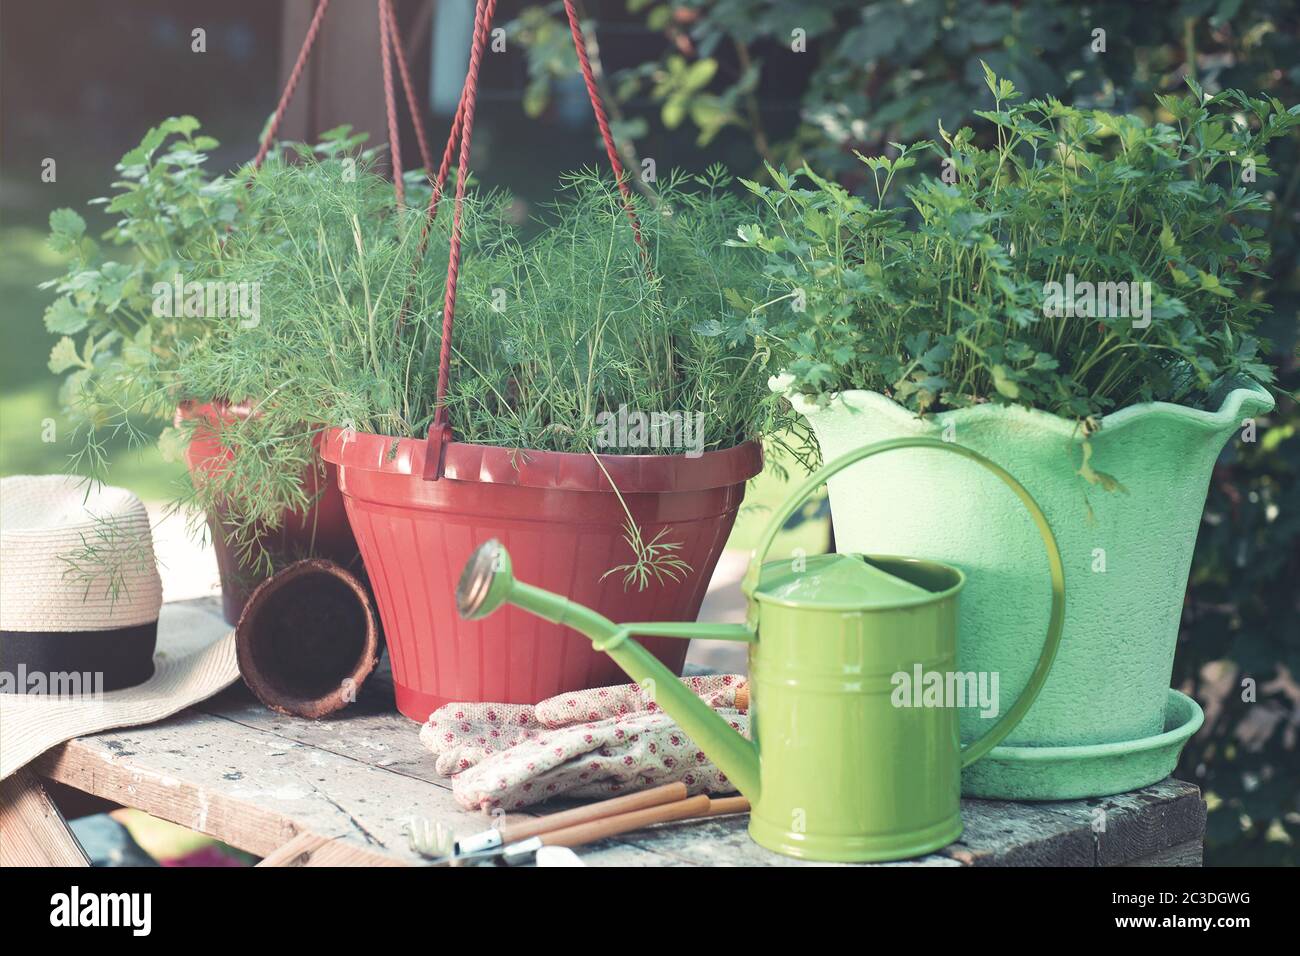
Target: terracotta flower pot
[320, 531]
[565, 528]
[308, 639]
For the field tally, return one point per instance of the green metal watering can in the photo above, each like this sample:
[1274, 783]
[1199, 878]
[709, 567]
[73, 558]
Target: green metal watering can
[850, 760]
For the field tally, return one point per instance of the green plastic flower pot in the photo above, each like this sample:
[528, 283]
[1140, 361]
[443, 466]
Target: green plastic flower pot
[1102, 722]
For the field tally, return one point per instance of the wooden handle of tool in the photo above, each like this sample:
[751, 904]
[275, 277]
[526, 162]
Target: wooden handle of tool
[627, 822]
[728, 805]
[656, 796]
[742, 697]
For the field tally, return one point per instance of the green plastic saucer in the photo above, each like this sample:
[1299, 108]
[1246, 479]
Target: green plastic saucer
[1091, 770]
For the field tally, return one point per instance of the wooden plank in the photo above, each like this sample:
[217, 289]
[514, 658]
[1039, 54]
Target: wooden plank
[1156, 819]
[250, 789]
[308, 849]
[378, 737]
[257, 791]
[1106, 831]
[997, 833]
[1191, 853]
[725, 842]
[369, 731]
[370, 734]
[32, 830]
[1005, 833]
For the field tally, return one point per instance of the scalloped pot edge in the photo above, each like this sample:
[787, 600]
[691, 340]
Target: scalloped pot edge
[1246, 400]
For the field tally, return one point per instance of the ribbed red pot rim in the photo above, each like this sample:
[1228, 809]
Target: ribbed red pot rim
[527, 468]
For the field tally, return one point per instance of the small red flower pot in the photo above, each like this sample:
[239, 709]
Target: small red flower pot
[322, 531]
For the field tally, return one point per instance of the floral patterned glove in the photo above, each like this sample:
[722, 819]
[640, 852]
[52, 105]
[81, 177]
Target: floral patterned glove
[592, 744]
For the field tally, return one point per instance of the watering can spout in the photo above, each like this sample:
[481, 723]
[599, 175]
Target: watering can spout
[488, 582]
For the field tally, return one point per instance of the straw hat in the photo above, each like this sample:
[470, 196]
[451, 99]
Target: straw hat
[79, 585]
[82, 647]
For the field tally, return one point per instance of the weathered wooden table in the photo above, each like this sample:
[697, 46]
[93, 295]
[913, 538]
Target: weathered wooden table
[300, 792]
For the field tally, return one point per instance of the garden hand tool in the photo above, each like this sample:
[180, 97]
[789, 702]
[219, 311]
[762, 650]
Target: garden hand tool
[840, 767]
[596, 823]
[557, 856]
[438, 841]
[429, 839]
[495, 837]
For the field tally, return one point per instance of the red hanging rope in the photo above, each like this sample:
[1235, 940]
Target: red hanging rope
[440, 180]
[446, 155]
[463, 125]
[602, 121]
[440, 431]
[294, 76]
[482, 18]
[390, 103]
[445, 167]
[432, 211]
[412, 104]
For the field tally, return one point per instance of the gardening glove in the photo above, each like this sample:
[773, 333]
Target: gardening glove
[588, 744]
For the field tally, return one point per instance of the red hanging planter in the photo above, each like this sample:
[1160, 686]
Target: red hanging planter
[419, 507]
[564, 526]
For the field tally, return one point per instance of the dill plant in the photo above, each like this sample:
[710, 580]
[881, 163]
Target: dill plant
[587, 322]
[335, 263]
[551, 329]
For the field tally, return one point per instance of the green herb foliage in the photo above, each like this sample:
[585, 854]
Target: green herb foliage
[118, 350]
[334, 262]
[112, 346]
[943, 305]
[587, 322]
[550, 332]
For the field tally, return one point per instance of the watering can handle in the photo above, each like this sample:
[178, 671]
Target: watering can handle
[977, 749]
